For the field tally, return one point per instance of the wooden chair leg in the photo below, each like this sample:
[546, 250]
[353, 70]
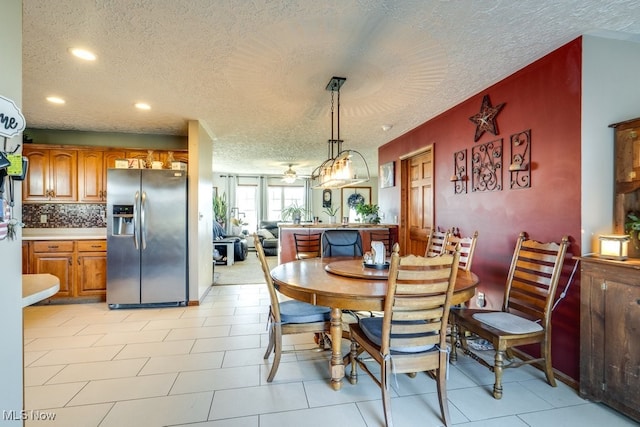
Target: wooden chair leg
[548, 368]
[270, 346]
[353, 354]
[277, 353]
[498, 368]
[385, 372]
[441, 382]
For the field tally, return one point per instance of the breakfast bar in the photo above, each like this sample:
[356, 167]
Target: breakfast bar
[286, 244]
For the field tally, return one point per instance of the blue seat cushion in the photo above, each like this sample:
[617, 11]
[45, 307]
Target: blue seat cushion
[302, 312]
[372, 328]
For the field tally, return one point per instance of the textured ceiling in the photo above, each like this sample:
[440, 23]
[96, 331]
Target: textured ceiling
[254, 71]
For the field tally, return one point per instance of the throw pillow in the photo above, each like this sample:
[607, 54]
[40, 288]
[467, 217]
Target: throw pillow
[266, 234]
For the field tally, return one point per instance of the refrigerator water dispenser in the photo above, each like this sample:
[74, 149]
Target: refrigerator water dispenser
[122, 220]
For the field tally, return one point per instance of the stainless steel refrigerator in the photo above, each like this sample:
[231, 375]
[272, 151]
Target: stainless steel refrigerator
[146, 237]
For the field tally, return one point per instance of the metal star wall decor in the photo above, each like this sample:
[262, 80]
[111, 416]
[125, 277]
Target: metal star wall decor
[485, 120]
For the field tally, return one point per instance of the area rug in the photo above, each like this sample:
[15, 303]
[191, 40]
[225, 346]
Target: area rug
[245, 272]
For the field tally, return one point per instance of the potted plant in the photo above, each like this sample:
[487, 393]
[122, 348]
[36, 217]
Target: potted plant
[293, 212]
[368, 213]
[331, 213]
[220, 209]
[632, 227]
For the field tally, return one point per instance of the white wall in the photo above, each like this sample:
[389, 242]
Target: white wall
[610, 94]
[11, 371]
[200, 211]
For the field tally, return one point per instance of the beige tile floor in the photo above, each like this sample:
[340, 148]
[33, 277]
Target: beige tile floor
[202, 366]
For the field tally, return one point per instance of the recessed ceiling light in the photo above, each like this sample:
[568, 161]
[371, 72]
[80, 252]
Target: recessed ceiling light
[386, 128]
[82, 54]
[142, 106]
[55, 100]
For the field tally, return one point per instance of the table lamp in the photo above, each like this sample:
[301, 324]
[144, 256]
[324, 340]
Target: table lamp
[614, 246]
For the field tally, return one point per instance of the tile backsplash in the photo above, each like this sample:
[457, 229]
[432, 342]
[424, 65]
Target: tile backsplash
[64, 215]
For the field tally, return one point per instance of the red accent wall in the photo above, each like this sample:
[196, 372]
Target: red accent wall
[545, 97]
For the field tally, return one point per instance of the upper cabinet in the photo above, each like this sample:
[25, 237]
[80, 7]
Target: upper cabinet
[51, 175]
[92, 173]
[77, 174]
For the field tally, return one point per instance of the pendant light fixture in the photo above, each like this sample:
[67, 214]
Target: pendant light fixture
[290, 176]
[342, 167]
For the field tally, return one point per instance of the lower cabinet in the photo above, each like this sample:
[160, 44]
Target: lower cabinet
[55, 257]
[609, 330]
[92, 268]
[81, 266]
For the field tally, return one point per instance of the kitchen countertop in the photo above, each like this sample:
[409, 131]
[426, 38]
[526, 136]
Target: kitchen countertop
[64, 233]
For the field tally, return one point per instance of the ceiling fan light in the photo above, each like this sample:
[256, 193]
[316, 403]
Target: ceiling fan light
[290, 176]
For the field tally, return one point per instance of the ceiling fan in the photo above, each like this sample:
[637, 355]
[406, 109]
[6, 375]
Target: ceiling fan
[289, 176]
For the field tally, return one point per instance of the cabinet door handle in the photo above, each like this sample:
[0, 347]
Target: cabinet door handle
[70, 262]
[95, 246]
[53, 247]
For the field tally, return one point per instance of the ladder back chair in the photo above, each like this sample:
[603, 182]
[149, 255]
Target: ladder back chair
[467, 246]
[411, 336]
[383, 236]
[307, 245]
[288, 317]
[436, 242]
[525, 317]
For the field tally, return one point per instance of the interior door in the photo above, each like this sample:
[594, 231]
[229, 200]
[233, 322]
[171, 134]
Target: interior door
[418, 215]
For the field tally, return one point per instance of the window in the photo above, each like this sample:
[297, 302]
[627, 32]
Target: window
[282, 196]
[246, 202]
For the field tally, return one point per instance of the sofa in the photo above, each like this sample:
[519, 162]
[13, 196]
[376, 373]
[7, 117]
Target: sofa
[240, 243]
[268, 235]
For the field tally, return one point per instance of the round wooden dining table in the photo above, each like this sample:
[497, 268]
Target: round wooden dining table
[346, 284]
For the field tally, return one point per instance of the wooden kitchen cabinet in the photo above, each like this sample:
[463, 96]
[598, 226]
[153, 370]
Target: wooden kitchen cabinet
[92, 268]
[81, 266]
[25, 257]
[55, 257]
[92, 173]
[51, 175]
[78, 174]
[609, 330]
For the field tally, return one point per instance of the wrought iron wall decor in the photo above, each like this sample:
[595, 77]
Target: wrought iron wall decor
[485, 120]
[486, 163]
[459, 177]
[520, 167]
